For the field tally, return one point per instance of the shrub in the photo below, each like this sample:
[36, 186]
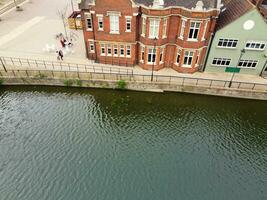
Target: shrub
[41, 76]
[68, 83]
[121, 84]
[79, 83]
[1, 81]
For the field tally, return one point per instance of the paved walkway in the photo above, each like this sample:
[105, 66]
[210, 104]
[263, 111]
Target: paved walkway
[25, 35]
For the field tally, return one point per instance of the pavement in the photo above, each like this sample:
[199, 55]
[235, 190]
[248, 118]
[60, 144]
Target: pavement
[26, 34]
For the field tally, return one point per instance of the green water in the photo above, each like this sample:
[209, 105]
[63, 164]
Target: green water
[73, 144]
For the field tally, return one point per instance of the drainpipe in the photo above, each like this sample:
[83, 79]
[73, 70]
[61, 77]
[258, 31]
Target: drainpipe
[208, 52]
[264, 66]
[96, 58]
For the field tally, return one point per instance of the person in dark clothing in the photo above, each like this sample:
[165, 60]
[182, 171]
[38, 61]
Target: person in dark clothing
[60, 54]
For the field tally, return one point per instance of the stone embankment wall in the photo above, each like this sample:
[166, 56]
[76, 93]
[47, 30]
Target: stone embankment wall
[124, 83]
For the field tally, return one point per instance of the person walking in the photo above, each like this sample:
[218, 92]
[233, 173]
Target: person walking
[60, 54]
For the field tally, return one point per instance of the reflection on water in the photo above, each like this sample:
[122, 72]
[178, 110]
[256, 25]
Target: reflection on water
[58, 143]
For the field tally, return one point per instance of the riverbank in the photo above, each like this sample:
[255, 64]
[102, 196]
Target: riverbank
[146, 86]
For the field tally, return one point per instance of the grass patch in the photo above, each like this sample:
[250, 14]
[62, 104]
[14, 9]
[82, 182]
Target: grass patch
[68, 83]
[121, 84]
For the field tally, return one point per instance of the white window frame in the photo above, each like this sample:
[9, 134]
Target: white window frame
[143, 34]
[128, 51]
[115, 46]
[195, 29]
[91, 46]
[122, 55]
[205, 30]
[88, 18]
[128, 20]
[142, 56]
[99, 20]
[179, 53]
[154, 24]
[183, 25]
[114, 23]
[243, 63]
[188, 58]
[164, 27]
[109, 50]
[150, 54]
[103, 47]
[227, 43]
[220, 61]
[252, 45]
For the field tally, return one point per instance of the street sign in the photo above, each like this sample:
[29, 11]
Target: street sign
[232, 69]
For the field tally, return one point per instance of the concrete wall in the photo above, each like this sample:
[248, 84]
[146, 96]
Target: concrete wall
[235, 30]
[259, 94]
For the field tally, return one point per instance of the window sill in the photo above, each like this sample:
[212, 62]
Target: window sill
[114, 33]
[152, 38]
[89, 29]
[143, 35]
[141, 61]
[226, 47]
[192, 40]
[187, 66]
[128, 31]
[250, 49]
[100, 29]
[128, 56]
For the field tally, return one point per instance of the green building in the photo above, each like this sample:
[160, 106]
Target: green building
[240, 40]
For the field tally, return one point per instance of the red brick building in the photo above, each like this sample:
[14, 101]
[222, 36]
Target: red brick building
[149, 33]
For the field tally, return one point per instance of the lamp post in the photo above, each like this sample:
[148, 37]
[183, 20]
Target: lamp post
[154, 58]
[242, 52]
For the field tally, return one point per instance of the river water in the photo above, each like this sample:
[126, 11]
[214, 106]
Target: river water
[80, 144]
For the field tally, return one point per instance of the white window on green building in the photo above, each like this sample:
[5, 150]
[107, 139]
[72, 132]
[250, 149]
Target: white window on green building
[221, 62]
[227, 43]
[252, 45]
[248, 63]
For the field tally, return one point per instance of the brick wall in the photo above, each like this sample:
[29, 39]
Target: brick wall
[166, 47]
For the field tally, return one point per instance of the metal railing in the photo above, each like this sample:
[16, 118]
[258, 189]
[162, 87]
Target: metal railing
[62, 66]
[9, 6]
[141, 78]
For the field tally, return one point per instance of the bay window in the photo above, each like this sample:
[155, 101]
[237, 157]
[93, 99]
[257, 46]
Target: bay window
[154, 28]
[188, 58]
[151, 57]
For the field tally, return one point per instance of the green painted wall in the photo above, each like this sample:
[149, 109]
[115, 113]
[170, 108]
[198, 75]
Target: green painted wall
[235, 30]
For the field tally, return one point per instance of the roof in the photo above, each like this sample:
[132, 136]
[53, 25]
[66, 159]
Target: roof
[167, 3]
[233, 9]
[181, 3]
